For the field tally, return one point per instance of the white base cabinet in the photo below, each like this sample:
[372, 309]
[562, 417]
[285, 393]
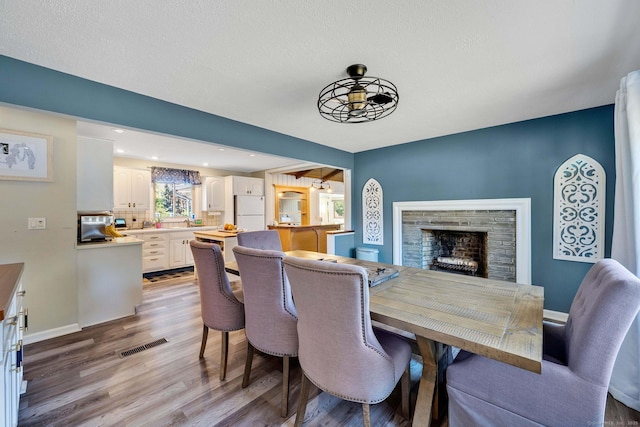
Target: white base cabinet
[14, 321]
[179, 250]
[109, 281]
[155, 252]
[164, 249]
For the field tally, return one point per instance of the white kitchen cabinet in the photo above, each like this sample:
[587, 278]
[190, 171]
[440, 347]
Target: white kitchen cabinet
[131, 188]
[179, 250]
[155, 252]
[14, 321]
[213, 194]
[245, 185]
[94, 175]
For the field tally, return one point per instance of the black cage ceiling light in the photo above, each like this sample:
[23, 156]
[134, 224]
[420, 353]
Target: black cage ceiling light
[358, 98]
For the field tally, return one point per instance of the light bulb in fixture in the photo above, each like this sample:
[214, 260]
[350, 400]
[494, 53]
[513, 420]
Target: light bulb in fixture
[357, 97]
[118, 130]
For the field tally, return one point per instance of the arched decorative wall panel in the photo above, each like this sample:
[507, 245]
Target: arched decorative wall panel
[372, 224]
[579, 202]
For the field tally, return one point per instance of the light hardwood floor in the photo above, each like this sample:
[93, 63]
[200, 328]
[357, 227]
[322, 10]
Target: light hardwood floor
[80, 379]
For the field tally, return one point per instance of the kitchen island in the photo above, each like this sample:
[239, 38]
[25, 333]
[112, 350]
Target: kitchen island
[304, 237]
[227, 240]
[109, 279]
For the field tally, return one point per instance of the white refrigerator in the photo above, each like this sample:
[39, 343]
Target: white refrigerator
[249, 212]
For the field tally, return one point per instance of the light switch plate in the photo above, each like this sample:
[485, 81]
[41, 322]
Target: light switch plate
[37, 224]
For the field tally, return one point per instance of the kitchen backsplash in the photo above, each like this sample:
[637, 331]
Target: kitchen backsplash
[136, 219]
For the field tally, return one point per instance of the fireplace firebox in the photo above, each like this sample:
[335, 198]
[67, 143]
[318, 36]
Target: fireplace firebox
[463, 252]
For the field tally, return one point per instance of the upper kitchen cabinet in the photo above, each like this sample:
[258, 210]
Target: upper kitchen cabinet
[244, 185]
[213, 194]
[94, 175]
[131, 188]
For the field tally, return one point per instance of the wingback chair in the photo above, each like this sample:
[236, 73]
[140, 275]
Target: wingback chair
[261, 239]
[577, 365]
[340, 352]
[270, 314]
[221, 308]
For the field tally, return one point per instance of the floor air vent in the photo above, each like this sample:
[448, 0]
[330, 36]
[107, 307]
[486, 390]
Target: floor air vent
[141, 348]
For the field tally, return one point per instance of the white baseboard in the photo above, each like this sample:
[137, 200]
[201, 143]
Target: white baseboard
[50, 333]
[555, 316]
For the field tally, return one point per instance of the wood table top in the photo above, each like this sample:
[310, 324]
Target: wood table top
[496, 319]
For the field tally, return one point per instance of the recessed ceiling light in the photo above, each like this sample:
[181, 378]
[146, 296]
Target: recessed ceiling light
[154, 157]
[118, 130]
[205, 164]
[119, 150]
[220, 149]
[252, 155]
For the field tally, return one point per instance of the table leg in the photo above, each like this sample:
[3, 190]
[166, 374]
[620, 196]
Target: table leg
[426, 388]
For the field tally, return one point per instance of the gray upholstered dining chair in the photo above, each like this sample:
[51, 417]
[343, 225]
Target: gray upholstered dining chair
[270, 314]
[577, 365]
[261, 239]
[340, 352]
[221, 308]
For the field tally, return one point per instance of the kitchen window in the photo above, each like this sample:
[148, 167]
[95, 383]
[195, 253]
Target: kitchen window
[174, 192]
[173, 200]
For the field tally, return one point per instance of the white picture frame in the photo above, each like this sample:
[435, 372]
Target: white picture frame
[25, 156]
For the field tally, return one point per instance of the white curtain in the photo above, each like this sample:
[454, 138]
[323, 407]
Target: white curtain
[625, 380]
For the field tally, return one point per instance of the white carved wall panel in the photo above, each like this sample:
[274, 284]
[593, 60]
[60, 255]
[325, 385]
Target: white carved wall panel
[372, 225]
[579, 202]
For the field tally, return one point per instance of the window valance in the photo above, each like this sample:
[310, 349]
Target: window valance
[175, 176]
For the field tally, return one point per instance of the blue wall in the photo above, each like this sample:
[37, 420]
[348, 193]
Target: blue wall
[517, 160]
[29, 85]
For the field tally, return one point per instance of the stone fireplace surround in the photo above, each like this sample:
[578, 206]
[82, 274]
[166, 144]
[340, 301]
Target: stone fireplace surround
[408, 233]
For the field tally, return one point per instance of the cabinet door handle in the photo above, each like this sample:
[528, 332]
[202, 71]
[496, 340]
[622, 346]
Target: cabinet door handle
[154, 252]
[25, 314]
[153, 259]
[21, 293]
[134, 204]
[129, 204]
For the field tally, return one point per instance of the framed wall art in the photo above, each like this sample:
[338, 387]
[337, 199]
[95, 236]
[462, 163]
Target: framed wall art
[25, 156]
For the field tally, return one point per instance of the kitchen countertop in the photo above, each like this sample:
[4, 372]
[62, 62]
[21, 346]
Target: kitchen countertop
[115, 242]
[9, 278]
[303, 227]
[215, 233]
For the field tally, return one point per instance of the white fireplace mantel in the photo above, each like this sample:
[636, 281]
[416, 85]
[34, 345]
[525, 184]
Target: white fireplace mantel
[522, 208]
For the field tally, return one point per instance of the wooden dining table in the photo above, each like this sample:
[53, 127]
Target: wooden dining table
[496, 319]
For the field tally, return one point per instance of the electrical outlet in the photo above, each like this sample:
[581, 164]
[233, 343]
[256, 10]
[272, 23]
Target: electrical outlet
[37, 224]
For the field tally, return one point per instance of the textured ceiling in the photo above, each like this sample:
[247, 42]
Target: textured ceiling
[458, 65]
